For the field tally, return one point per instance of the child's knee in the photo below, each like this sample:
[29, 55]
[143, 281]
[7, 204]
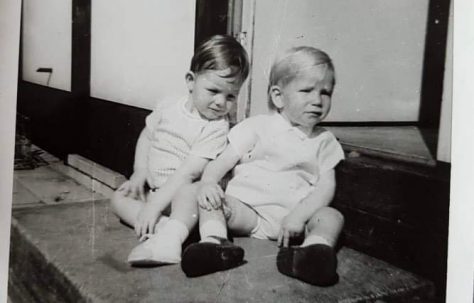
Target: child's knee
[240, 218]
[335, 215]
[116, 201]
[185, 198]
[228, 206]
[187, 193]
[188, 190]
[329, 215]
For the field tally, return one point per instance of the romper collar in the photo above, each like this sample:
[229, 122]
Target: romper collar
[283, 125]
[186, 111]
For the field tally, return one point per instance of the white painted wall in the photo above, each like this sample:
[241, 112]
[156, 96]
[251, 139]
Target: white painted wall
[141, 50]
[377, 47]
[46, 41]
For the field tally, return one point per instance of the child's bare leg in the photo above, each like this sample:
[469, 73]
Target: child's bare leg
[234, 214]
[127, 209]
[184, 207]
[214, 252]
[324, 227]
[240, 218]
[164, 247]
[315, 261]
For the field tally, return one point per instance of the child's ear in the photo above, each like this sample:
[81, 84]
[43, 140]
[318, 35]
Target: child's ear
[276, 96]
[190, 77]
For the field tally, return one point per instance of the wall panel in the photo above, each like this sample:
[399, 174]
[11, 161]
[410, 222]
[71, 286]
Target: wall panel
[140, 50]
[377, 47]
[46, 42]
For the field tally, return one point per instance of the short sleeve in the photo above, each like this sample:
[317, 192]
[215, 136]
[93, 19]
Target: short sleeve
[330, 152]
[243, 136]
[152, 120]
[212, 140]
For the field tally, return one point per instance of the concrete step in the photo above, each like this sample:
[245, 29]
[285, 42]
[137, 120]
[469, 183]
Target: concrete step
[397, 212]
[64, 251]
[76, 253]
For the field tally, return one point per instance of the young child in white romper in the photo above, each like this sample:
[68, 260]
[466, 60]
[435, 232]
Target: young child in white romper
[283, 178]
[179, 139]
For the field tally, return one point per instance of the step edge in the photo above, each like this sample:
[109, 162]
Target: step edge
[42, 256]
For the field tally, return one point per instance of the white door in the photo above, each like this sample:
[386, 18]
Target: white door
[46, 42]
[377, 47]
[141, 50]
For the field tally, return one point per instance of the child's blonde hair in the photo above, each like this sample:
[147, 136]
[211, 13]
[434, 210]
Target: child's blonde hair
[287, 66]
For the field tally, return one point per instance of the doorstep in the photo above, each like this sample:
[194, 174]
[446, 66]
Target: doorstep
[77, 253]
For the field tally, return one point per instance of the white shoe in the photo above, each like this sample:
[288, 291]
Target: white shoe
[156, 250]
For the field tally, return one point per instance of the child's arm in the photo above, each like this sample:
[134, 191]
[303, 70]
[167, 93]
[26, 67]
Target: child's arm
[294, 223]
[210, 193]
[135, 187]
[186, 173]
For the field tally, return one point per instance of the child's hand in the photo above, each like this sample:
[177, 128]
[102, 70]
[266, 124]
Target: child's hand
[135, 187]
[210, 195]
[290, 227]
[147, 218]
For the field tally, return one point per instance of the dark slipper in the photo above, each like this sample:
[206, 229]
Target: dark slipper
[314, 264]
[203, 258]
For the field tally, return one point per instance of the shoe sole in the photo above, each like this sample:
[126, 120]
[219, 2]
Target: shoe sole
[205, 258]
[148, 263]
[314, 264]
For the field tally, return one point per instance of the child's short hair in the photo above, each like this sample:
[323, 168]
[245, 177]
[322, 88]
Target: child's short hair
[286, 67]
[220, 52]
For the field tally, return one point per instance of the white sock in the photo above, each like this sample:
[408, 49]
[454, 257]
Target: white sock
[174, 228]
[212, 228]
[314, 239]
[164, 246]
[161, 222]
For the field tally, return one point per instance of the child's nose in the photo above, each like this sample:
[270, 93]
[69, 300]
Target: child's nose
[316, 98]
[219, 100]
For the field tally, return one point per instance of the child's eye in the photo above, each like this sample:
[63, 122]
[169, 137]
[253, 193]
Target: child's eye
[306, 90]
[326, 93]
[231, 98]
[212, 91]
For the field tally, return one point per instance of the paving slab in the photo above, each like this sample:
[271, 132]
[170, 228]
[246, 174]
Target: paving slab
[22, 196]
[77, 252]
[48, 186]
[83, 179]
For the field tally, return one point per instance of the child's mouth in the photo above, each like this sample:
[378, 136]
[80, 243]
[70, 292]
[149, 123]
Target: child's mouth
[216, 111]
[315, 114]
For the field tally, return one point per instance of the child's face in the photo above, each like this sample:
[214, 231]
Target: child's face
[305, 100]
[212, 94]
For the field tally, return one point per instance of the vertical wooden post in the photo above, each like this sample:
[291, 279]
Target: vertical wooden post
[211, 19]
[80, 71]
[81, 47]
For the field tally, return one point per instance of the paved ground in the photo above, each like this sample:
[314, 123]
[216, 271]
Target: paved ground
[68, 247]
[89, 247]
